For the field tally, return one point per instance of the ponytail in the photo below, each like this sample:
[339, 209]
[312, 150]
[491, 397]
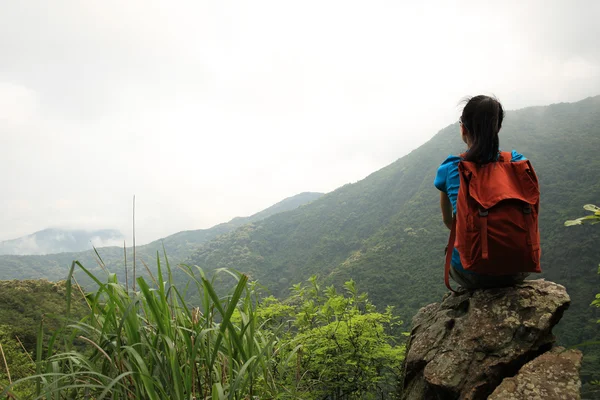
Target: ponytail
[482, 117]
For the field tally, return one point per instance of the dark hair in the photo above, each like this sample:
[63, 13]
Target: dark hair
[482, 117]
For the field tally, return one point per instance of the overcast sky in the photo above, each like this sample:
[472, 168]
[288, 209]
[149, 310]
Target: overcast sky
[206, 110]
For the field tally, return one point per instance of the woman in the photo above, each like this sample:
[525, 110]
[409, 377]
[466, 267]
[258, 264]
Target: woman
[479, 123]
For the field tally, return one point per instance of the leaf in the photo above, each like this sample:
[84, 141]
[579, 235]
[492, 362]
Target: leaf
[217, 392]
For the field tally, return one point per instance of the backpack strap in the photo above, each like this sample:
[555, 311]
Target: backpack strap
[483, 222]
[449, 251]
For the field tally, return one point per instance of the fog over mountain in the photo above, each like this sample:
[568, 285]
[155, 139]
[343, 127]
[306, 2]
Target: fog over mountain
[50, 241]
[54, 243]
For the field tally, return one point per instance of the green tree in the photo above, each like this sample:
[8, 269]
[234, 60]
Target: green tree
[336, 346]
[15, 364]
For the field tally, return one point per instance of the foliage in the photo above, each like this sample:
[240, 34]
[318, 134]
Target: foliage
[15, 363]
[592, 219]
[593, 355]
[340, 346]
[24, 306]
[150, 344]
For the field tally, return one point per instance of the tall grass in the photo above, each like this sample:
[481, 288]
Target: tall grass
[149, 344]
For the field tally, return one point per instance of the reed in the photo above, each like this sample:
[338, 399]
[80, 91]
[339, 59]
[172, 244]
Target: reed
[150, 344]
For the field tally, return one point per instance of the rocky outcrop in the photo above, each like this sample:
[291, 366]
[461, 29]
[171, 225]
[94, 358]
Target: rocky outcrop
[552, 376]
[469, 344]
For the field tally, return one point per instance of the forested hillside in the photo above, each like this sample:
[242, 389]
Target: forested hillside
[178, 247]
[25, 306]
[386, 231]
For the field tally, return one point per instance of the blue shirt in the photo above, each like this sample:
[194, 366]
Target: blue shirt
[447, 180]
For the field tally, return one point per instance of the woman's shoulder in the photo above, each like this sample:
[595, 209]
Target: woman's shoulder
[451, 160]
[446, 169]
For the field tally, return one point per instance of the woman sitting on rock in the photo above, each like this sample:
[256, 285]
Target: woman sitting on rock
[493, 219]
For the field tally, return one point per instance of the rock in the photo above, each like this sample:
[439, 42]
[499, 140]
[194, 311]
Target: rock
[552, 376]
[465, 346]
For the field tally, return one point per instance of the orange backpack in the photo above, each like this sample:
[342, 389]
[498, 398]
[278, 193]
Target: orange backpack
[495, 229]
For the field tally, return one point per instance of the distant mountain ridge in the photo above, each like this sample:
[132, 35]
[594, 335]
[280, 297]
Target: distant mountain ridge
[54, 240]
[173, 243]
[178, 247]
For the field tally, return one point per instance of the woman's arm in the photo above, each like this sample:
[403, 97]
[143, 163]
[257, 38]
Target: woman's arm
[446, 207]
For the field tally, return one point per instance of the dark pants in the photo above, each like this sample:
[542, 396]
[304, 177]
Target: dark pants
[477, 281]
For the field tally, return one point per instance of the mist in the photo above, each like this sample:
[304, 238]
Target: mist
[210, 110]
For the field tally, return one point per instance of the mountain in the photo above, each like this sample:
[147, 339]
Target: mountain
[51, 241]
[178, 247]
[386, 231]
[183, 243]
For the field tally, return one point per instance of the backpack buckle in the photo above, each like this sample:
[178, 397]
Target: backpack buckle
[483, 212]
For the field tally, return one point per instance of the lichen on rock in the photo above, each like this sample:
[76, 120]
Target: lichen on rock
[465, 346]
[552, 376]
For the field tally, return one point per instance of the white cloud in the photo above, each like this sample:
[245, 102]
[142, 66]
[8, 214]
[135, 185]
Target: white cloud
[17, 104]
[207, 110]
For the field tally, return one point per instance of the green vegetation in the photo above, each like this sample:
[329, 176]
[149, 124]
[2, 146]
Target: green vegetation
[592, 219]
[150, 344]
[24, 306]
[592, 357]
[15, 363]
[340, 345]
